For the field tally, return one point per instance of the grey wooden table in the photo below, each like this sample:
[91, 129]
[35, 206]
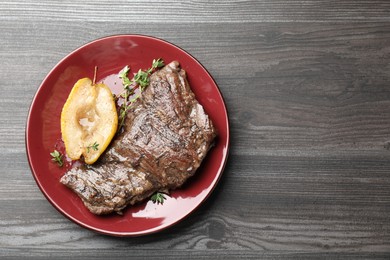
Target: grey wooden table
[307, 86]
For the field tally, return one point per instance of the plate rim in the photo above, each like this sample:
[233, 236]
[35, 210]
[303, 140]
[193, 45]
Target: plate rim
[156, 229]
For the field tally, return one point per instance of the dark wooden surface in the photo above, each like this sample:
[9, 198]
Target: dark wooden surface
[307, 86]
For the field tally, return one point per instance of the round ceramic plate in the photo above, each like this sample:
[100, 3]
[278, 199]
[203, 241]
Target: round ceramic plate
[43, 133]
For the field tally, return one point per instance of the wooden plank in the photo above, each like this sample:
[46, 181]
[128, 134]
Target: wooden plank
[169, 11]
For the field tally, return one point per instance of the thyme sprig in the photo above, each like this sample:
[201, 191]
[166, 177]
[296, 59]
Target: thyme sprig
[141, 80]
[158, 198]
[57, 158]
[94, 146]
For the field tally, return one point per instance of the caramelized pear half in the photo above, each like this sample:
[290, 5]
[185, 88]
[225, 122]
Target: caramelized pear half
[89, 120]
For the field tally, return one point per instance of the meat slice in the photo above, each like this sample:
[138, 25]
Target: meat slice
[165, 138]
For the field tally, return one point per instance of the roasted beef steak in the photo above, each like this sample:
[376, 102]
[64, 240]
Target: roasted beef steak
[164, 140]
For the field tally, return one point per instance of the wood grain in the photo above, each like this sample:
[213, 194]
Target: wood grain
[202, 11]
[306, 84]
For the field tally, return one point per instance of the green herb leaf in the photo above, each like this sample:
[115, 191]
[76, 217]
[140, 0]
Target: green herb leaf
[94, 146]
[127, 83]
[158, 63]
[158, 198]
[142, 78]
[57, 157]
[124, 72]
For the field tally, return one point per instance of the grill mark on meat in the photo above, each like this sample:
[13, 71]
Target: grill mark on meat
[165, 138]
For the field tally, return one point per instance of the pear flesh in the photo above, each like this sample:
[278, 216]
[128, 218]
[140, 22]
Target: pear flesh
[89, 120]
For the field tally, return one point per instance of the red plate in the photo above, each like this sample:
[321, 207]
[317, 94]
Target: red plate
[43, 134]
